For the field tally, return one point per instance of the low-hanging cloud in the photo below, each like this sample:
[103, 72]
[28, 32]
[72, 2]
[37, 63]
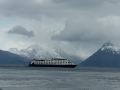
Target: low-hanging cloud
[21, 31]
[89, 30]
[89, 34]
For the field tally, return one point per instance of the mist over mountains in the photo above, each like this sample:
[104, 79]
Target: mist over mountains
[35, 51]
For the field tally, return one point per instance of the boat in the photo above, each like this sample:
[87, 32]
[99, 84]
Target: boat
[53, 62]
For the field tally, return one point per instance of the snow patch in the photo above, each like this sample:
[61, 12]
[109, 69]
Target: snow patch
[109, 47]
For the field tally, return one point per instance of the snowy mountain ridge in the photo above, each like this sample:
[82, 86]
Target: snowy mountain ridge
[14, 50]
[34, 47]
[35, 51]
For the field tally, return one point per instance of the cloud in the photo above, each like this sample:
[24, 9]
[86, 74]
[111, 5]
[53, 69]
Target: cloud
[35, 9]
[22, 8]
[88, 34]
[80, 3]
[21, 31]
[80, 30]
[29, 9]
[83, 25]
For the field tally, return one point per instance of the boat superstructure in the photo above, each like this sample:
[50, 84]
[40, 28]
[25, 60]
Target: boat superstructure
[53, 62]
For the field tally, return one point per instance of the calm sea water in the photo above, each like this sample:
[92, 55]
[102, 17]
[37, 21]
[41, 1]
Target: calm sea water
[37, 78]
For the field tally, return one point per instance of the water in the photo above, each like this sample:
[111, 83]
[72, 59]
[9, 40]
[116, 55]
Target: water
[37, 78]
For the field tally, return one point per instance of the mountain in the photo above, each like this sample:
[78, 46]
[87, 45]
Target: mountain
[14, 50]
[7, 58]
[107, 56]
[63, 54]
[35, 51]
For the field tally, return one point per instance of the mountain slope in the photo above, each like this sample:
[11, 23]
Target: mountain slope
[35, 51]
[107, 56]
[7, 58]
[63, 54]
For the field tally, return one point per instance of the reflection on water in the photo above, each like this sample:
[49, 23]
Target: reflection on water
[37, 78]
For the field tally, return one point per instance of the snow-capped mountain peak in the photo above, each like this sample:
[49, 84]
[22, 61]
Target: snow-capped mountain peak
[14, 50]
[34, 47]
[109, 47]
[108, 44]
[35, 51]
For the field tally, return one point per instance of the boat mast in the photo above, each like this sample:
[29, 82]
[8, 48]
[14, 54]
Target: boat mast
[58, 53]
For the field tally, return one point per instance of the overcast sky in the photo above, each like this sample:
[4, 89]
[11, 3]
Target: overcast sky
[79, 27]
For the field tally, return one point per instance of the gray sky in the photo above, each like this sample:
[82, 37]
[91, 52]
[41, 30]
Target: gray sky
[79, 27]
